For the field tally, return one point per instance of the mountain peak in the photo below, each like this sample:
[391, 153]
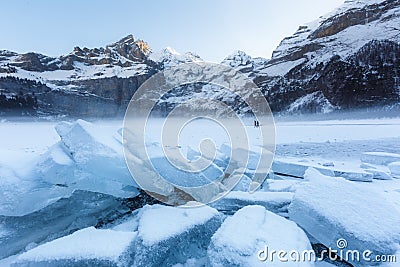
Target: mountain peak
[170, 57]
[170, 50]
[131, 49]
[239, 60]
[128, 40]
[125, 52]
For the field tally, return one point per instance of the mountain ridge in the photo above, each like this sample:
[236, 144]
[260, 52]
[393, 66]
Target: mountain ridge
[348, 58]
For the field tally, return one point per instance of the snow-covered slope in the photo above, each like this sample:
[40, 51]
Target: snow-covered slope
[350, 55]
[169, 57]
[94, 82]
[82, 63]
[342, 32]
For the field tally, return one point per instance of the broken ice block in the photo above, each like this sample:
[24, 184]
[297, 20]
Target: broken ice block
[87, 159]
[243, 238]
[295, 168]
[86, 247]
[395, 169]
[379, 158]
[330, 209]
[174, 233]
[276, 202]
[358, 176]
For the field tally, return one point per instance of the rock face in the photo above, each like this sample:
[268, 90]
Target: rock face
[346, 59]
[87, 82]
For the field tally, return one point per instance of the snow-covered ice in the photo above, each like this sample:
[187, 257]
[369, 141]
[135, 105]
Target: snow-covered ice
[99, 163]
[298, 167]
[243, 184]
[47, 176]
[21, 143]
[47, 165]
[379, 158]
[81, 209]
[274, 185]
[379, 174]
[360, 175]
[394, 168]
[21, 195]
[175, 221]
[341, 129]
[277, 202]
[86, 247]
[292, 167]
[168, 235]
[240, 238]
[56, 165]
[330, 209]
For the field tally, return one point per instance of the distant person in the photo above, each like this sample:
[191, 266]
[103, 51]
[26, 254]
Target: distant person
[255, 124]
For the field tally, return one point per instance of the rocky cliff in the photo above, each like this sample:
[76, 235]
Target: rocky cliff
[349, 58]
[86, 82]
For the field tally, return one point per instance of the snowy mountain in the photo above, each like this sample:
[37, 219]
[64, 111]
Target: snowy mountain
[86, 82]
[169, 57]
[349, 56]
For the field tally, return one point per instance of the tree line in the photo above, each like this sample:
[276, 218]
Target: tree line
[18, 101]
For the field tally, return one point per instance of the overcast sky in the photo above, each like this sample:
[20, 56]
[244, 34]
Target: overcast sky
[211, 28]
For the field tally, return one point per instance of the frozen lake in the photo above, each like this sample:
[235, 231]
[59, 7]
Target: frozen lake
[21, 141]
[332, 145]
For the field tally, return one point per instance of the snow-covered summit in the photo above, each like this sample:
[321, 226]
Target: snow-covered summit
[244, 63]
[169, 57]
[342, 32]
[238, 58]
[87, 81]
[341, 55]
[124, 53]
